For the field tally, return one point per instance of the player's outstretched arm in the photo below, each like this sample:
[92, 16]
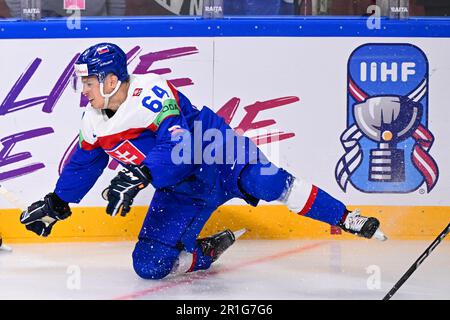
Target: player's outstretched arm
[76, 179]
[80, 174]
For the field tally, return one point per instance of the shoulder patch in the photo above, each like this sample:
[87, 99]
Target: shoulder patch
[169, 109]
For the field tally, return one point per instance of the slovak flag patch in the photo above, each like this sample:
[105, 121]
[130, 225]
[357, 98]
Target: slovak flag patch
[102, 50]
[127, 153]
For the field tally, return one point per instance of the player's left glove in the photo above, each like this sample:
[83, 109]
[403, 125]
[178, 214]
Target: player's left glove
[41, 216]
[124, 187]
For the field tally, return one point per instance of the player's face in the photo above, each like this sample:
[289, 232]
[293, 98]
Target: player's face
[91, 89]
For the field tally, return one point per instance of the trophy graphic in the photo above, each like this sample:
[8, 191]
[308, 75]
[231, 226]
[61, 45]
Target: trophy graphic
[387, 120]
[387, 141]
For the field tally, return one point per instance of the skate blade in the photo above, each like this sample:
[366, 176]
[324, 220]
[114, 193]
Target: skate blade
[379, 235]
[5, 248]
[239, 233]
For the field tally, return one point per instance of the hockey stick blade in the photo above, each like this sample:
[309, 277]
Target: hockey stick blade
[4, 247]
[16, 202]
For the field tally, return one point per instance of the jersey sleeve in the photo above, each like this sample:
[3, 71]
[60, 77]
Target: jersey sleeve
[84, 167]
[164, 168]
[80, 174]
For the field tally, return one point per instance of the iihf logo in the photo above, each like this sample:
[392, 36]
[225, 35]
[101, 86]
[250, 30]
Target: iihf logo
[387, 140]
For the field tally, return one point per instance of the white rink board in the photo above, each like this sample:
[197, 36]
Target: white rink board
[251, 69]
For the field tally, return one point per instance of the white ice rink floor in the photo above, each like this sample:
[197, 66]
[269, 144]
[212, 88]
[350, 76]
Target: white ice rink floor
[251, 269]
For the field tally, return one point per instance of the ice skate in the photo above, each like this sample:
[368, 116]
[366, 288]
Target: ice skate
[366, 227]
[216, 244]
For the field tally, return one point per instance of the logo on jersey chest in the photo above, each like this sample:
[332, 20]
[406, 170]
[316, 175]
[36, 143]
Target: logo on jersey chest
[127, 153]
[137, 92]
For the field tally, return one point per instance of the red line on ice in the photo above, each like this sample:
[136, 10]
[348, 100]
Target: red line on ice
[201, 276]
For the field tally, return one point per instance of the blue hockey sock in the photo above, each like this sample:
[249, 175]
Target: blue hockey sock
[310, 201]
[304, 198]
[323, 207]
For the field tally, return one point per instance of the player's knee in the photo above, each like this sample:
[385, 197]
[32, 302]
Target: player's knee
[264, 181]
[152, 261]
[150, 271]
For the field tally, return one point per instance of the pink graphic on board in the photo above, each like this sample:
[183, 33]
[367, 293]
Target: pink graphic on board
[74, 4]
[17, 161]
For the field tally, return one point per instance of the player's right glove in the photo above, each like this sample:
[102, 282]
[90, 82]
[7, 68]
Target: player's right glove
[42, 215]
[124, 187]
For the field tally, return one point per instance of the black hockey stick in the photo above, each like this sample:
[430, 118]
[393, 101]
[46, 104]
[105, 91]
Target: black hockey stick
[416, 264]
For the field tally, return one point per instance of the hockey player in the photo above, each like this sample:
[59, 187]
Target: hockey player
[145, 123]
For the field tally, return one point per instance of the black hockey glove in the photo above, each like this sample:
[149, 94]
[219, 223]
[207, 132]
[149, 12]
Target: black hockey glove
[42, 215]
[124, 187]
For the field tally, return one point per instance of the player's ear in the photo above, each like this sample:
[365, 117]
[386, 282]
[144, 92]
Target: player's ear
[112, 80]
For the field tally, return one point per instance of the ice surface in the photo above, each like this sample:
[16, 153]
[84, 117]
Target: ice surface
[251, 269]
